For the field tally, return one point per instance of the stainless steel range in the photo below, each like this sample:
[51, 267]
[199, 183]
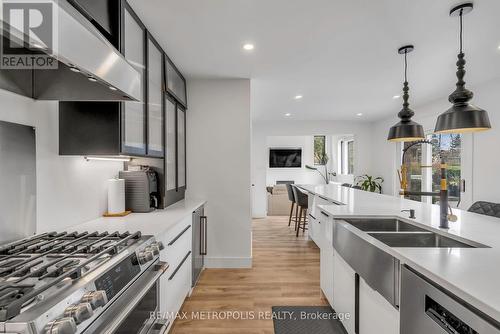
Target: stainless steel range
[66, 283]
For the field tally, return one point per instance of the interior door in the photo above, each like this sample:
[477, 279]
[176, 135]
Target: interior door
[134, 113]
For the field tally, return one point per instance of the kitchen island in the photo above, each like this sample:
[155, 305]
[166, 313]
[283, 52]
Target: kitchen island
[470, 273]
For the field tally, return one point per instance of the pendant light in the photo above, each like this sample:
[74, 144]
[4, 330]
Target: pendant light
[462, 117]
[406, 129]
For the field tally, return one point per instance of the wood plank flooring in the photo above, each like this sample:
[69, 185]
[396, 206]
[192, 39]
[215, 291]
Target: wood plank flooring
[285, 272]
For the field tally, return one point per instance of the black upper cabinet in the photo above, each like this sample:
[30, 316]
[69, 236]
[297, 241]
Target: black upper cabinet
[154, 98]
[149, 128]
[175, 82]
[134, 113]
[104, 15]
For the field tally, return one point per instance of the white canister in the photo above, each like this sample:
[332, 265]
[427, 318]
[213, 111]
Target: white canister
[116, 196]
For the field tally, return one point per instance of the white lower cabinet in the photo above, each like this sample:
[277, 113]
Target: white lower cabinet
[376, 314]
[344, 292]
[326, 259]
[175, 284]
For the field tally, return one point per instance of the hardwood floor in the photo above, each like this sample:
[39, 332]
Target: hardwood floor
[285, 273]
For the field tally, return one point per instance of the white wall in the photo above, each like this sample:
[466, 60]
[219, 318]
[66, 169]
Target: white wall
[299, 175]
[261, 130]
[483, 151]
[218, 155]
[70, 190]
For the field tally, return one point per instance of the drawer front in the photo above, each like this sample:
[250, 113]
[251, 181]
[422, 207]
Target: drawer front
[178, 285]
[177, 247]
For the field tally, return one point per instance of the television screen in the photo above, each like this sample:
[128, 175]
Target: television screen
[285, 158]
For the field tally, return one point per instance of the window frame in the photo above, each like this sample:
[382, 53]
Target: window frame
[314, 148]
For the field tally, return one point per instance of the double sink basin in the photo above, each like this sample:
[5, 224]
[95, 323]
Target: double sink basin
[397, 233]
[378, 268]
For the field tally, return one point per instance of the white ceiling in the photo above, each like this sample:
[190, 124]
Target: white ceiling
[339, 54]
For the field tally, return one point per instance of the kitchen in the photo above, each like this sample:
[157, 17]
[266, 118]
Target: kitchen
[135, 119]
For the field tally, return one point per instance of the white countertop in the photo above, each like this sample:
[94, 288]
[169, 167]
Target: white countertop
[471, 273]
[152, 223]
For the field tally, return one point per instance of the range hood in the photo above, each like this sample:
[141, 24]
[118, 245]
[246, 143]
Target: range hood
[89, 68]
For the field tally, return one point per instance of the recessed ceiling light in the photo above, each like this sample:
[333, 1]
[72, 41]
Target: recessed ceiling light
[74, 69]
[92, 79]
[396, 97]
[359, 114]
[298, 97]
[248, 47]
[288, 114]
[112, 88]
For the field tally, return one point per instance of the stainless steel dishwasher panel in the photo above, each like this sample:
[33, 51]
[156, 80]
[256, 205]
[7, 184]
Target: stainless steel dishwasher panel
[430, 309]
[379, 269]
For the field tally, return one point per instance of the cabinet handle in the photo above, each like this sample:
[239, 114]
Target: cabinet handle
[324, 199]
[356, 303]
[324, 214]
[203, 236]
[312, 216]
[178, 236]
[179, 266]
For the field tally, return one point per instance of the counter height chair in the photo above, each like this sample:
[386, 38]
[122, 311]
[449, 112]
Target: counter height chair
[357, 187]
[348, 185]
[486, 208]
[291, 197]
[302, 203]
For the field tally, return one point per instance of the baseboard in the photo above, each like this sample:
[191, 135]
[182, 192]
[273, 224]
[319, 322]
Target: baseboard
[228, 262]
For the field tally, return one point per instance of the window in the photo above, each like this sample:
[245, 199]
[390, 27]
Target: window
[319, 150]
[346, 154]
[423, 162]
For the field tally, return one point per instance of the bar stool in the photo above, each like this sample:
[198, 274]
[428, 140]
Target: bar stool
[302, 203]
[348, 185]
[291, 197]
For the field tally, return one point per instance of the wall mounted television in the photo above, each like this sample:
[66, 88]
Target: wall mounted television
[285, 158]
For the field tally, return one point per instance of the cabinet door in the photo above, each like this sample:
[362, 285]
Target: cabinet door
[134, 113]
[170, 145]
[181, 148]
[176, 85]
[155, 106]
[376, 314]
[326, 272]
[344, 290]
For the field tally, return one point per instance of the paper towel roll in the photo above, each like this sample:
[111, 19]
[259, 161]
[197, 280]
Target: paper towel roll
[116, 196]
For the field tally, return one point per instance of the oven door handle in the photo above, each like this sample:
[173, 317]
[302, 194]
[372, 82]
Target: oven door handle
[159, 269]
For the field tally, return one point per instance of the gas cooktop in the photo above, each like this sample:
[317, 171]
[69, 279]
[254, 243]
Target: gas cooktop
[58, 282]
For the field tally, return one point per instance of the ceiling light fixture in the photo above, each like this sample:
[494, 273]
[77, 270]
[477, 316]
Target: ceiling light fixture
[74, 69]
[406, 129]
[395, 97]
[462, 117]
[92, 79]
[112, 88]
[248, 47]
[288, 114]
[359, 114]
[298, 97]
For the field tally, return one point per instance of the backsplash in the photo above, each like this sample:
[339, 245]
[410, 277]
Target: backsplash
[70, 190]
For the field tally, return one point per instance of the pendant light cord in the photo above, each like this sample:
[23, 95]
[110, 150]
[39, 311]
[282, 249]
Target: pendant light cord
[406, 66]
[461, 31]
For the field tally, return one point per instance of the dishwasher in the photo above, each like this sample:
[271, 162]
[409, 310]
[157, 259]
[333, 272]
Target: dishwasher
[425, 307]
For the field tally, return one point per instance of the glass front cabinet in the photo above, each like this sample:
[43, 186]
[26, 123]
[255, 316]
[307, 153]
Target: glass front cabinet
[155, 98]
[134, 113]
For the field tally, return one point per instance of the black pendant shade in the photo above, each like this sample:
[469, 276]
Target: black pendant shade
[406, 130]
[462, 117]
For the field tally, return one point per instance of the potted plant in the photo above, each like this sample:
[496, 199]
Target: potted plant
[323, 161]
[369, 183]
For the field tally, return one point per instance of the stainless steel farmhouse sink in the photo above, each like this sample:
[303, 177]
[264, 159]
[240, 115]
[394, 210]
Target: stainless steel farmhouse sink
[383, 225]
[418, 239]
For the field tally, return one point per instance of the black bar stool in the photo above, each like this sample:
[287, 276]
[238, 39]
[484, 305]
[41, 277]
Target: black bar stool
[302, 203]
[486, 208]
[291, 197]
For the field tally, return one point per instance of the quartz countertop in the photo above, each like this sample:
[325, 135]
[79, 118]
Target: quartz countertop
[151, 223]
[473, 274]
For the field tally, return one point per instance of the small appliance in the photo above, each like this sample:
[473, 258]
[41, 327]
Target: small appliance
[141, 190]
